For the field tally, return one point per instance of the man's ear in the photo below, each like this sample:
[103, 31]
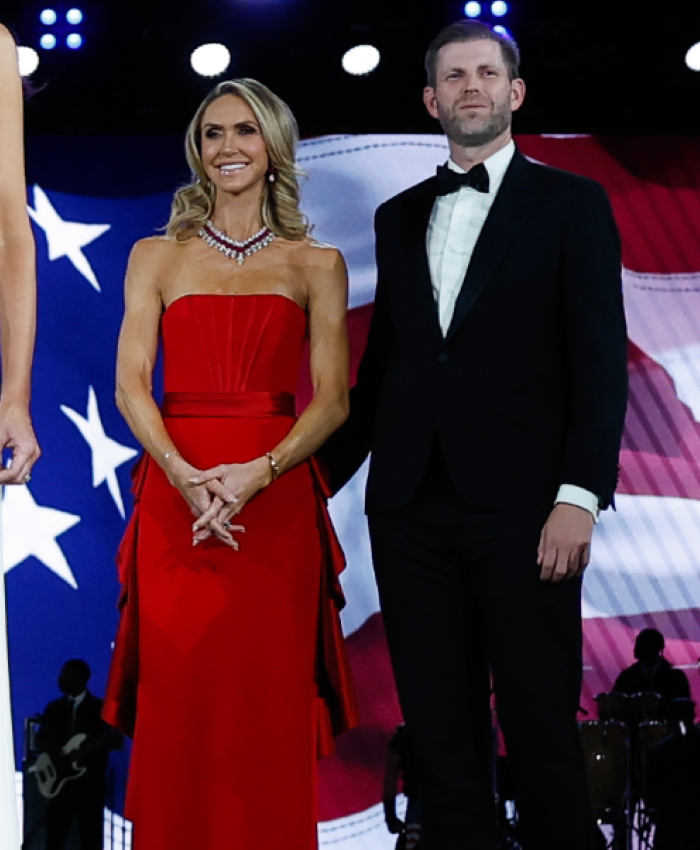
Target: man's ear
[517, 93]
[430, 101]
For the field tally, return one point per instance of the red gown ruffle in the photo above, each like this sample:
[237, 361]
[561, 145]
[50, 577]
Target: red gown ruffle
[337, 706]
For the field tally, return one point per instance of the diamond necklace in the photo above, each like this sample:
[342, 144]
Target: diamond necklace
[231, 247]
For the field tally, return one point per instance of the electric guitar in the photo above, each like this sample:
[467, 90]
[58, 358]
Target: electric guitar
[54, 770]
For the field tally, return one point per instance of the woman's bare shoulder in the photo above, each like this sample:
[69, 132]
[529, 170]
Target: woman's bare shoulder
[6, 39]
[8, 51]
[311, 252]
[158, 250]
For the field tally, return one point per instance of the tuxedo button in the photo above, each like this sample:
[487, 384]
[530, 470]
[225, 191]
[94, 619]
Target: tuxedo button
[443, 358]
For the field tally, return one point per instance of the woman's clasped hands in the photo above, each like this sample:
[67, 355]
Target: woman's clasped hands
[221, 494]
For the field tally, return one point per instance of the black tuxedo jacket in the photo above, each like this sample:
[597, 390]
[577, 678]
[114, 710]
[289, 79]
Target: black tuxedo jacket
[528, 388]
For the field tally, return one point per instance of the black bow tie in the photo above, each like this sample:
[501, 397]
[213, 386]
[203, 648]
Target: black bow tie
[452, 181]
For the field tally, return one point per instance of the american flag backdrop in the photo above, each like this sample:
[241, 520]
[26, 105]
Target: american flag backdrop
[90, 199]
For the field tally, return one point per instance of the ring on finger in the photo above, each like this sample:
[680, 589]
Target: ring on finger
[27, 478]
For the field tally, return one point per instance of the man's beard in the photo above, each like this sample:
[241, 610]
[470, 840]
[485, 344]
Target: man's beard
[458, 131]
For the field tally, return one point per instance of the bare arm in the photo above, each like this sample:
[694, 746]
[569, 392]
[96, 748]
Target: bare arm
[136, 356]
[329, 408]
[17, 277]
[348, 447]
[327, 305]
[137, 351]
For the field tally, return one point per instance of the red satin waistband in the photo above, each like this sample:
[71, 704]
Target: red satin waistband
[243, 404]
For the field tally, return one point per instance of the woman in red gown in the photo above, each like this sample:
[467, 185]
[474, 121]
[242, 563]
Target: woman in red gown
[229, 668]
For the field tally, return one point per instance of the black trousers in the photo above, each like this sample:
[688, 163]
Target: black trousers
[84, 800]
[462, 599]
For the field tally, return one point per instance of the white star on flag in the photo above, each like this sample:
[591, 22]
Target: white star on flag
[66, 238]
[107, 454]
[30, 530]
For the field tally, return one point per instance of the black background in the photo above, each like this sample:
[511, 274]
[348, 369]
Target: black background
[603, 67]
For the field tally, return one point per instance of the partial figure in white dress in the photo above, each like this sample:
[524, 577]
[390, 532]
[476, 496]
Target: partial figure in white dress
[17, 330]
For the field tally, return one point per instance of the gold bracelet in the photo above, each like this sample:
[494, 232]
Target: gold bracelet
[274, 466]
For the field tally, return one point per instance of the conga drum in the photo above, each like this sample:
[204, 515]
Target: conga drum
[605, 747]
[644, 706]
[612, 705]
[649, 733]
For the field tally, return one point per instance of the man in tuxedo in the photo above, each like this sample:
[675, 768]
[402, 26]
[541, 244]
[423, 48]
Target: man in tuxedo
[77, 711]
[492, 396]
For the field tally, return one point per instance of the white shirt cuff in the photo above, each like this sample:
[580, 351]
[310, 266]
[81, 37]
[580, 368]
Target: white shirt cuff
[570, 494]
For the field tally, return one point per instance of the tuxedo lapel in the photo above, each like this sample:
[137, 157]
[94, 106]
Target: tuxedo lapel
[518, 193]
[416, 217]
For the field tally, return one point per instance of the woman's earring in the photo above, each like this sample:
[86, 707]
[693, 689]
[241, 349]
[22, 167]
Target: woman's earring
[271, 177]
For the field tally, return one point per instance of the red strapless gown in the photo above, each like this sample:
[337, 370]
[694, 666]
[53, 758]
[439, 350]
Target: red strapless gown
[229, 666]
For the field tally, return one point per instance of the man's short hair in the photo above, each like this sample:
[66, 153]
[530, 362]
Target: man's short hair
[649, 643]
[472, 31]
[79, 668]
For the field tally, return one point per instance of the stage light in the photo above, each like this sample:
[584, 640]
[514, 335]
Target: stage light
[210, 60]
[48, 17]
[692, 57]
[74, 17]
[48, 41]
[502, 31]
[499, 8]
[28, 61]
[74, 41]
[361, 60]
[472, 9]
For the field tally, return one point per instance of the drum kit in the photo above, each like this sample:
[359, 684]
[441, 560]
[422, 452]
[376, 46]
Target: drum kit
[617, 750]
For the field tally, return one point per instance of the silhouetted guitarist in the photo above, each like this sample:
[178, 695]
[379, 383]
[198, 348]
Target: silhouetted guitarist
[74, 774]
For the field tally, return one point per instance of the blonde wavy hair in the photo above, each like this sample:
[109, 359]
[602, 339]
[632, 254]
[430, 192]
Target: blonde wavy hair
[193, 203]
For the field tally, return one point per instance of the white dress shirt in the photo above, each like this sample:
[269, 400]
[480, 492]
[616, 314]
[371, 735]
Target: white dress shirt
[453, 230]
[75, 702]
[455, 225]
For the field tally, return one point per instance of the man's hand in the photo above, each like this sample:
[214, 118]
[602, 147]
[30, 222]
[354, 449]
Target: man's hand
[565, 543]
